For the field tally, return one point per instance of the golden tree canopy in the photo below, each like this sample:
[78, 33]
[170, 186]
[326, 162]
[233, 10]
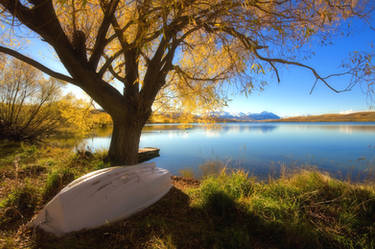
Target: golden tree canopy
[196, 44]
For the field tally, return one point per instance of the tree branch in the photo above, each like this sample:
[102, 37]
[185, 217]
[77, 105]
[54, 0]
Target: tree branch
[317, 76]
[122, 30]
[119, 34]
[187, 76]
[109, 62]
[37, 65]
[116, 75]
[102, 32]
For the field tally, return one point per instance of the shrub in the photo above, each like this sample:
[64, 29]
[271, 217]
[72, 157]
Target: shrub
[27, 102]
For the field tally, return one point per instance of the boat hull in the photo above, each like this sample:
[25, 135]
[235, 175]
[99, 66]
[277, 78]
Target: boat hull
[102, 197]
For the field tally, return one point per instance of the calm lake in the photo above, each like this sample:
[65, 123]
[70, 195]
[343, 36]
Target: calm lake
[343, 149]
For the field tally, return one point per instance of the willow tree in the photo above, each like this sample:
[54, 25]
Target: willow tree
[185, 47]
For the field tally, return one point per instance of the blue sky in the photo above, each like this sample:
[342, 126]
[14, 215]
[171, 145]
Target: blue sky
[291, 96]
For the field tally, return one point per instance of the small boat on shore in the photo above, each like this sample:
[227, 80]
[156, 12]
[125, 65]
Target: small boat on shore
[102, 197]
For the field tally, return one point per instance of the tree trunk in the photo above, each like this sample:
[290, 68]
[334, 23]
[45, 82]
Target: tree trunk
[124, 143]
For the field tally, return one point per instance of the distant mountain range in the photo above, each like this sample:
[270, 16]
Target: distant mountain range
[240, 116]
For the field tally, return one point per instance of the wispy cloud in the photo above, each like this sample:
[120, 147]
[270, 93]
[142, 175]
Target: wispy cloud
[351, 111]
[347, 111]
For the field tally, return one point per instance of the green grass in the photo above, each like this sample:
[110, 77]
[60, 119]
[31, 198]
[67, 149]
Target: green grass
[57, 180]
[305, 209]
[19, 205]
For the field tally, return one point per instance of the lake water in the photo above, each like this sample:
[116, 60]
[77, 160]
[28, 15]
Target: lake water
[343, 149]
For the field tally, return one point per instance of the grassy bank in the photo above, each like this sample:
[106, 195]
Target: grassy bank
[307, 209]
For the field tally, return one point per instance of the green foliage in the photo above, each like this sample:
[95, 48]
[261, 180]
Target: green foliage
[27, 152]
[101, 165]
[71, 167]
[14, 156]
[85, 160]
[57, 180]
[306, 210]
[233, 237]
[236, 184]
[220, 193]
[19, 204]
[218, 202]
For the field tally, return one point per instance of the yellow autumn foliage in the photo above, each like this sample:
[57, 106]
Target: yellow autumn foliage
[79, 116]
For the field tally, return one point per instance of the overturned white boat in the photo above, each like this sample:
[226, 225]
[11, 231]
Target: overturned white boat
[103, 196]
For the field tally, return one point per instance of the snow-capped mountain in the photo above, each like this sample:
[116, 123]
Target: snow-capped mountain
[263, 115]
[245, 116]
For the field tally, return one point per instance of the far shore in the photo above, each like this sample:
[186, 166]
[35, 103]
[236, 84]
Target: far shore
[351, 117]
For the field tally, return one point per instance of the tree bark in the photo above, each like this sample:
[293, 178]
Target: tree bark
[124, 145]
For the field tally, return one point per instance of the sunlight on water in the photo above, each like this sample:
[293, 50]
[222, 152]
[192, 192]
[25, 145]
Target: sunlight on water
[344, 149]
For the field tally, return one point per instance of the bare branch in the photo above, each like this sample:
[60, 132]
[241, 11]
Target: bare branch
[282, 61]
[37, 65]
[275, 70]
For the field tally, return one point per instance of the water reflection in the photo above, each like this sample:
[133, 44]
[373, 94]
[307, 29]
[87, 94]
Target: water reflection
[211, 129]
[221, 128]
[347, 128]
[260, 147]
